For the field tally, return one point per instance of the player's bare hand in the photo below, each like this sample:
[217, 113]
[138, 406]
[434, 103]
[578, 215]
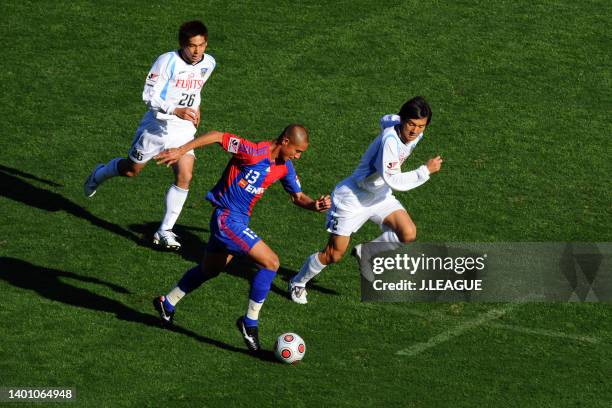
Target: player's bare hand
[433, 165]
[188, 114]
[168, 156]
[323, 203]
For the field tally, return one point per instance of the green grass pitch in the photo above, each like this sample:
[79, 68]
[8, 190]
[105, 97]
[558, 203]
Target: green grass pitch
[521, 100]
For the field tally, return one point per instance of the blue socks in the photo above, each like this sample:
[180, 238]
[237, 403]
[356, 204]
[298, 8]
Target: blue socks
[249, 322]
[167, 305]
[260, 286]
[192, 279]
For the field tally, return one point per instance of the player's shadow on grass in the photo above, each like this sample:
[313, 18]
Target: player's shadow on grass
[14, 185]
[192, 249]
[50, 284]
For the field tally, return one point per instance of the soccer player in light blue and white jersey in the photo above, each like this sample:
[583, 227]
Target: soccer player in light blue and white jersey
[172, 95]
[368, 193]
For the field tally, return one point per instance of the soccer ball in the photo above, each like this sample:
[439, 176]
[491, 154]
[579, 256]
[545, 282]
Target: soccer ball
[289, 348]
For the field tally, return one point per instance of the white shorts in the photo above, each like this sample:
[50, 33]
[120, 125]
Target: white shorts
[353, 206]
[154, 136]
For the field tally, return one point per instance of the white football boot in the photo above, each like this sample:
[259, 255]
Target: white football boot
[298, 293]
[167, 240]
[90, 186]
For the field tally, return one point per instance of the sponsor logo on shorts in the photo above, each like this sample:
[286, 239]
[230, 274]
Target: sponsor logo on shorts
[233, 145]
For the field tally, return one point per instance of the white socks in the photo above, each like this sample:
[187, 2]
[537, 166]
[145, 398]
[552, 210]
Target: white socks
[175, 198]
[387, 241]
[311, 268]
[175, 295]
[109, 170]
[387, 236]
[253, 309]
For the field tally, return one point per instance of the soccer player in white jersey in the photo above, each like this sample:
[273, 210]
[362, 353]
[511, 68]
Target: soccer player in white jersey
[368, 193]
[172, 95]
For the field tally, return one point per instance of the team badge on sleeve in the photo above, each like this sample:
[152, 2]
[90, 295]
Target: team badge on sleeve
[152, 78]
[392, 167]
[233, 145]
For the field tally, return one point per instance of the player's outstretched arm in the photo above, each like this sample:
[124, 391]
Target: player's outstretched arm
[388, 166]
[321, 204]
[404, 181]
[171, 156]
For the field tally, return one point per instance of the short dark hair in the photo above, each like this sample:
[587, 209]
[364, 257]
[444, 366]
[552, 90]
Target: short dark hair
[416, 108]
[191, 29]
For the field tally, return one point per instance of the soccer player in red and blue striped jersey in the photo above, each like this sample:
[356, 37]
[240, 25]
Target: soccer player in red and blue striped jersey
[251, 170]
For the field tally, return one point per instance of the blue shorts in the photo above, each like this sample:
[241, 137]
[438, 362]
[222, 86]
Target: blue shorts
[230, 232]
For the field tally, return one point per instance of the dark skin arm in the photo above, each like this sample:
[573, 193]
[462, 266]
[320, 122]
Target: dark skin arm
[171, 156]
[321, 204]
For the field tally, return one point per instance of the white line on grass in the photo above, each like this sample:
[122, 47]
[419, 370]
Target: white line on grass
[460, 329]
[516, 328]
[544, 332]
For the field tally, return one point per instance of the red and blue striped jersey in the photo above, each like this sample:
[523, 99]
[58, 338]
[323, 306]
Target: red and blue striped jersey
[249, 172]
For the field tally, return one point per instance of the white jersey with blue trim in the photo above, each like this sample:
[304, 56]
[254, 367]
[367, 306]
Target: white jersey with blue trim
[379, 171]
[173, 83]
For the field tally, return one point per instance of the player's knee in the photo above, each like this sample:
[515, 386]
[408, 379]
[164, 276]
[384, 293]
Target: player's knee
[184, 179]
[132, 173]
[272, 262]
[129, 169]
[407, 234]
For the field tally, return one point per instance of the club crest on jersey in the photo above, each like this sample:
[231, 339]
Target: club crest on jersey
[233, 145]
[203, 71]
